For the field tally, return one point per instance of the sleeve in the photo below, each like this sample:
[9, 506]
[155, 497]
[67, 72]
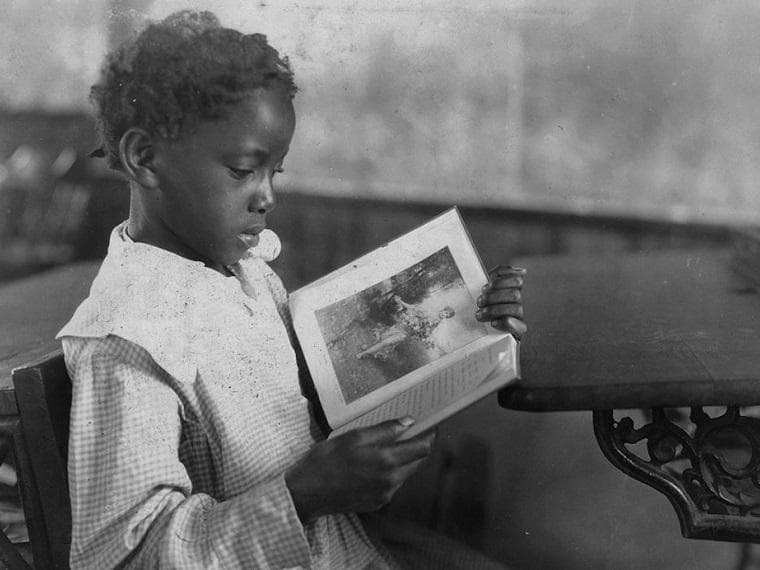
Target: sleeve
[132, 500]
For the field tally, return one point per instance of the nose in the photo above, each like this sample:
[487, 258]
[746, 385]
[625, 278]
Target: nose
[263, 200]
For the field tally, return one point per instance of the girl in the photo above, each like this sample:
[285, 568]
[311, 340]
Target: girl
[192, 445]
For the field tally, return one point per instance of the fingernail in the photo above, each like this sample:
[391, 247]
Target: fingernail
[485, 287]
[406, 422]
[481, 300]
[518, 269]
[479, 313]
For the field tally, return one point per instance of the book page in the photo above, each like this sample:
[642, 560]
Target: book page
[393, 317]
[446, 391]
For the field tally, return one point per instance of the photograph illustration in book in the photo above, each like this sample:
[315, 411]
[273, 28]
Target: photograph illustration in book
[400, 324]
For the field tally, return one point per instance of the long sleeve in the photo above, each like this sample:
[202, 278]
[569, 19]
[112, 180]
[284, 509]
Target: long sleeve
[133, 498]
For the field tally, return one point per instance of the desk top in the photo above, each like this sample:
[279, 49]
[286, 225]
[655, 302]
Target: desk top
[32, 310]
[637, 331]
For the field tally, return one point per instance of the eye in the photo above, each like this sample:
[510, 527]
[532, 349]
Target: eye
[240, 173]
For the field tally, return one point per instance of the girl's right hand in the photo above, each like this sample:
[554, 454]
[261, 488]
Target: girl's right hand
[359, 471]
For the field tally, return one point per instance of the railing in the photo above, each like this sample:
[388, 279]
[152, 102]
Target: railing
[321, 233]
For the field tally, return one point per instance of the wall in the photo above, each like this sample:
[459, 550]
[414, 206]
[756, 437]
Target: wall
[636, 109]
[642, 109]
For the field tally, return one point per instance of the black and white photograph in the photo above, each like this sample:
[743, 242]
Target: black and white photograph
[189, 194]
[399, 325]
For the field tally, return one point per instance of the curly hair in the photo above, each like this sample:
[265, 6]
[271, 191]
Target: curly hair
[182, 69]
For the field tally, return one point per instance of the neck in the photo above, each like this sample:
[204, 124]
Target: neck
[145, 225]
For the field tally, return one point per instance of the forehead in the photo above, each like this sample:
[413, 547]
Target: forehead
[263, 120]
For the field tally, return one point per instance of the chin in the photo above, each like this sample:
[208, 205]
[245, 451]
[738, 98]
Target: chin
[232, 255]
[219, 258]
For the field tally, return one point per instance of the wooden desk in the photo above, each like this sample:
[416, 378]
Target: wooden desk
[32, 311]
[655, 331]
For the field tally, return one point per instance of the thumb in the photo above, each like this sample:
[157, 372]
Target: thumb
[387, 431]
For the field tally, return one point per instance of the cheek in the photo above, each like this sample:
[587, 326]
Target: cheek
[193, 214]
[223, 215]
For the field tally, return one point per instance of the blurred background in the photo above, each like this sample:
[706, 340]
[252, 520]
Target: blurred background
[632, 120]
[584, 126]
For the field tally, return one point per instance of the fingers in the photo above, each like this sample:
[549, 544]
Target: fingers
[501, 300]
[385, 432]
[413, 449]
[492, 297]
[398, 461]
[505, 277]
[385, 436]
[492, 312]
[505, 271]
[516, 281]
[515, 327]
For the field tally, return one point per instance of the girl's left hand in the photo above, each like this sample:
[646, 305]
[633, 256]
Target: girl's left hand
[501, 300]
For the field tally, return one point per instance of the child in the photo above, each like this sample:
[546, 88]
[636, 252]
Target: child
[192, 445]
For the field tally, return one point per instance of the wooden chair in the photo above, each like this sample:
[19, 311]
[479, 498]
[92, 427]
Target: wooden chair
[43, 396]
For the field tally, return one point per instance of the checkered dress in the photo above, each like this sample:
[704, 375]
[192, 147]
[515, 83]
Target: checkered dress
[186, 413]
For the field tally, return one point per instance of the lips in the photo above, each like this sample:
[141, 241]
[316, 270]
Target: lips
[250, 237]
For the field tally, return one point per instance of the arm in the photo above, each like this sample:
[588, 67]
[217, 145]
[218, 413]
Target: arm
[132, 498]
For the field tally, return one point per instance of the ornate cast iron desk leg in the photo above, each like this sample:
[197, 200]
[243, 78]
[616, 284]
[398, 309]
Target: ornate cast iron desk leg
[709, 470]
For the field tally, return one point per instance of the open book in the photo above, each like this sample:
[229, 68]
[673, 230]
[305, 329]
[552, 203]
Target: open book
[394, 332]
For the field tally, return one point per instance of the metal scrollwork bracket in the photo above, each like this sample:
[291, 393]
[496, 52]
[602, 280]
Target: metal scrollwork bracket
[709, 470]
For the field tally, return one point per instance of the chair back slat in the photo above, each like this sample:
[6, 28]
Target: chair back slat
[43, 396]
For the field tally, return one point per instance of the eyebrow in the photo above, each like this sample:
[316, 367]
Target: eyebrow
[259, 154]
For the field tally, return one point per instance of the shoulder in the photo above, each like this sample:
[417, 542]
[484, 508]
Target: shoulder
[117, 385]
[132, 287]
[113, 351]
[113, 367]
[147, 311]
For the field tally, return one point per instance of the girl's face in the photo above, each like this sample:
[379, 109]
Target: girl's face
[215, 183]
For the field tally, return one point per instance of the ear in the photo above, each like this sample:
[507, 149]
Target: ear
[137, 153]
